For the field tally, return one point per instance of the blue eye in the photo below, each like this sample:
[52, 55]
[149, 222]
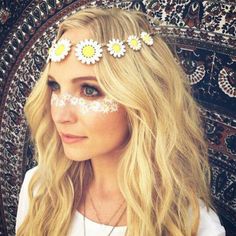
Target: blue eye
[53, 85]
[90, 91]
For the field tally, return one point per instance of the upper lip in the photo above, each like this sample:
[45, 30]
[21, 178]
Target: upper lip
[72, 136]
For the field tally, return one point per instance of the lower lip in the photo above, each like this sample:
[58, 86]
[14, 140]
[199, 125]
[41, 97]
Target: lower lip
[66, 139]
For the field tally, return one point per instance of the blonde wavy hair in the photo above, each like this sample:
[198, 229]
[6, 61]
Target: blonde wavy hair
[164, 170]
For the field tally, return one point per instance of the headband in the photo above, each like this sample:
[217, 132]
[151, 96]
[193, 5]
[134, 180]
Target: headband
[89, 51]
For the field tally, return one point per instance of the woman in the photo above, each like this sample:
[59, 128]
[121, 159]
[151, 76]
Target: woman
[119, 143]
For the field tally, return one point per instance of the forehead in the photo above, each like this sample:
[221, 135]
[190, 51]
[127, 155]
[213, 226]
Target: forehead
[76, 35]
[70, 67]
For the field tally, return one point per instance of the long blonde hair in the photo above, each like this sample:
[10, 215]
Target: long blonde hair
[164, 170]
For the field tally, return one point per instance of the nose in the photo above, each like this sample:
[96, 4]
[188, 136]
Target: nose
[64, 114]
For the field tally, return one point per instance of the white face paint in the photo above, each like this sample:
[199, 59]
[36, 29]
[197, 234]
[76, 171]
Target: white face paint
[105, 105]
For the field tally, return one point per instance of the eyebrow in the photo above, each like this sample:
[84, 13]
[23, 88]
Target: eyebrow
[76, 79]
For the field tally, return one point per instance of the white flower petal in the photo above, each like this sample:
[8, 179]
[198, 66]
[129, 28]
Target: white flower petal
[60, 50]
[134, 42]
[88, 51]
[116, 48]
[147, 38]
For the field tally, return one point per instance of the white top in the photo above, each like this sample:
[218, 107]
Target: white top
[209, 221]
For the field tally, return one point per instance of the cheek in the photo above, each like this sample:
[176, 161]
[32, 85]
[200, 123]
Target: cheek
[53, 111]
[108, 126]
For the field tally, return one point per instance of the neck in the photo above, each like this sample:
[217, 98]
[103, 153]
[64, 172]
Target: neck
[104, 183]
[103, 200]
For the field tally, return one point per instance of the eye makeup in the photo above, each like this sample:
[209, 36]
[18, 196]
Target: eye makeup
[104, 105]
[87, 90]
[53, 85]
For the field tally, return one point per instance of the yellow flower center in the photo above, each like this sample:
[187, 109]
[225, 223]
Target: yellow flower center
[60, 49]
[116, 47]
[146, 38]
[88, 51]
[134, 42]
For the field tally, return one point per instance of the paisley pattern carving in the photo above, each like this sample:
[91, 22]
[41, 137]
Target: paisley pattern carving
[227, 82]
[197, 75]
[231, 144]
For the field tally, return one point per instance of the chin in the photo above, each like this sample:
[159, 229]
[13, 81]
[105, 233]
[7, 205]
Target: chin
[74, 157]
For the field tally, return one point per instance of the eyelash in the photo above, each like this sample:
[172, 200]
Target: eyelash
[87, 86]
[51, 85]
[84, 86]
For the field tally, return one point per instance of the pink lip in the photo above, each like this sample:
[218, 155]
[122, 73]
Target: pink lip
[67, 138]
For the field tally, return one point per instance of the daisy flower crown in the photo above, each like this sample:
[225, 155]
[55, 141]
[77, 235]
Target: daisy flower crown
[89, 51]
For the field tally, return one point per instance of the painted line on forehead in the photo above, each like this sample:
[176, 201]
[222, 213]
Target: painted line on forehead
[77, 79]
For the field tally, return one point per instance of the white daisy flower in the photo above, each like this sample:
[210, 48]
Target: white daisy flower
[134, 42]
[81, 102]
[114, 107]
[61, 103]
[88, 51]
[60, 50]
[116, 48]
[147, 38]
[96, 106]
[66, 97]
[74, 101]
[53, 99]
[110, 105]
[85, 108]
